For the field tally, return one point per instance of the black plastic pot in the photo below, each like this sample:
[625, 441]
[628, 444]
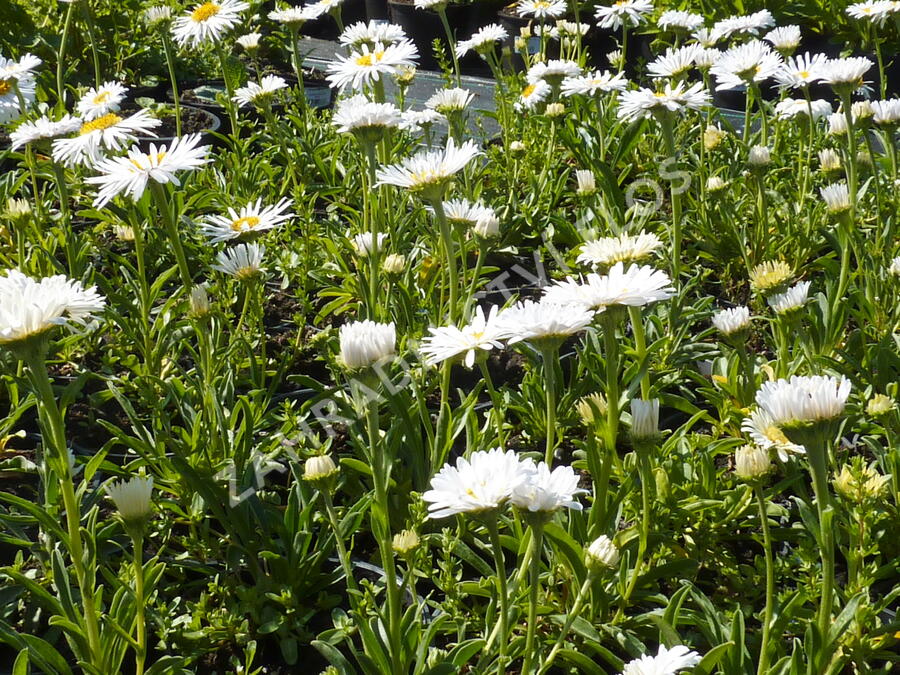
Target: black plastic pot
[377, 10]
[212, 124]
[326, 28]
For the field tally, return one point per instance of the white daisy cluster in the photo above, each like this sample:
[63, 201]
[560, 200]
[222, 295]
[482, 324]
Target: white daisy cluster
[636, 286]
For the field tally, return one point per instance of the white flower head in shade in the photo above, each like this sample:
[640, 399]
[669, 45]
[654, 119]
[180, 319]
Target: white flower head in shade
[586, 182]
[157, 14]
[623, 12]
[732, 321]
[547, 491]
[644, 419]
[463, 212]
[837, 124]
[109, 132]
[20, 70]
[487, 226]
[790, 300]
[250, 220]
[15, 80]
[715, 184]
[752, 61]
[420, 120]
[533, 95]
[542, 9]
[544, 320]
[43, 128]
[675, 62]
[259, 94]
[751, 462]
[764, 433]
[894, 267]
[705, 58]
[243, 261]
[636, 286]
[447, 342]
[666, 662]
[132, 498]
[635, 105]
[364, 118]
[800, 71]
[447, 101]
[429, 4]
[803, 400]
[367, 64]
[608, 251]
[249, 42]
[791, 107]
[846, 73]
[101, 100]
[836, 197]
[759, 156]
[784, 38]
[590, 84]
[29, 308]
[873, 11]
[483, 40]
[751, 24]
[706, 37]
[358, 34]
[886, 113]
[673, 19]
[207, 22]
[480, 484]
[829, 160]
[553, 72]
[295, 17]
[129, 174]
[429, 172]
[367, 343]
[363, 243]
[602, 552]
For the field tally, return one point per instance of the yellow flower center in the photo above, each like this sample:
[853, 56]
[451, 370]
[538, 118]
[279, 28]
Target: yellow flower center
[776, 435]
[158, 157]
[204, 12]
[369, 58]
[424, 177]
[102, 97]
[804, 74]
[529, 90]
[5, 87]
[99, 124]
[541, 4]
[245, 223]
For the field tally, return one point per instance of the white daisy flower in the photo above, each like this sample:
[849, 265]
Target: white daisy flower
[251, 219]
[363, 243]
[43, 128]
[846, 72]
[829, 160]
[785, 38]
[447, 101]
[100, 101]
[666, 662]
[800, 71]
[586, 184]
[546, 491]
[608, 251]
[242, 262]
[431, 170]
[259, 94]
[542, 9]
[249, 42]
[764, 433]
[447, 342]
[358, 34]
[553, 71]
[874, 11]
[129, 174]
[706, 57]
[801, 399]
[752, 24]
[642, 103]
[29, 308]
[837, 124]
[592, 83]
[529, 320]
[109, 132]
[894, 267]
[886, 113]
[836, 197]
[157, 14]
[533, 95]
[637, 286]
[706, 37]
[23, 69]
[368, 64]
[366, 343]
[675, 62]
[565, 28]
[429, 4]
[753, 61]
[790, 300]
[679, 20]
[463, 212]
[207, 22]
[644, 418]
[483, 40]
[294, 17]
[417, 120]
[759, 155]
[484, 482]
[10, 105]
[359, 115]
[631, 12]
[791, 107]
[731, 321]
[603, 552]
[132, 498]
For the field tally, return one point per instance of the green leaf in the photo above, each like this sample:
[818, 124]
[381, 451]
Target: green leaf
[711, 658]
[580, 661]
[334, 657]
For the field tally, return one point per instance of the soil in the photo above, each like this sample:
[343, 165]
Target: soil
[193, 120]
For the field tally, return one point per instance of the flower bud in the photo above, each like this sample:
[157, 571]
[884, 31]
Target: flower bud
[405, 542]
[602, 553]
[879, 404]
[587, 185]
[132, 499]
[829, 160]
[760, 156]
[715, 184]
[751, 462]
[321, 471]
[487, 227]
[517, 148]
[394, 264]
[17, 210]
[592, 408]
[859, 483]
[712, 137]
[555, 110]
[199, 302]
[644, 419]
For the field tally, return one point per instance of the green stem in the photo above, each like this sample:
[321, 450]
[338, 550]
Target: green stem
[640, 346]
[571, 615]
[537, 532]
[645, 475]
[60, 61]
[665, 120]
[442, 12]
[496, 401]
[502, 592]
[770, 584]
[165, 212]
[549, 355]
[89, 20]
[450, 255]
[173, 80]
[817, 453]
[297, 63]
[852, 173]
[141, 652]
[343, 555]
[230, 104]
